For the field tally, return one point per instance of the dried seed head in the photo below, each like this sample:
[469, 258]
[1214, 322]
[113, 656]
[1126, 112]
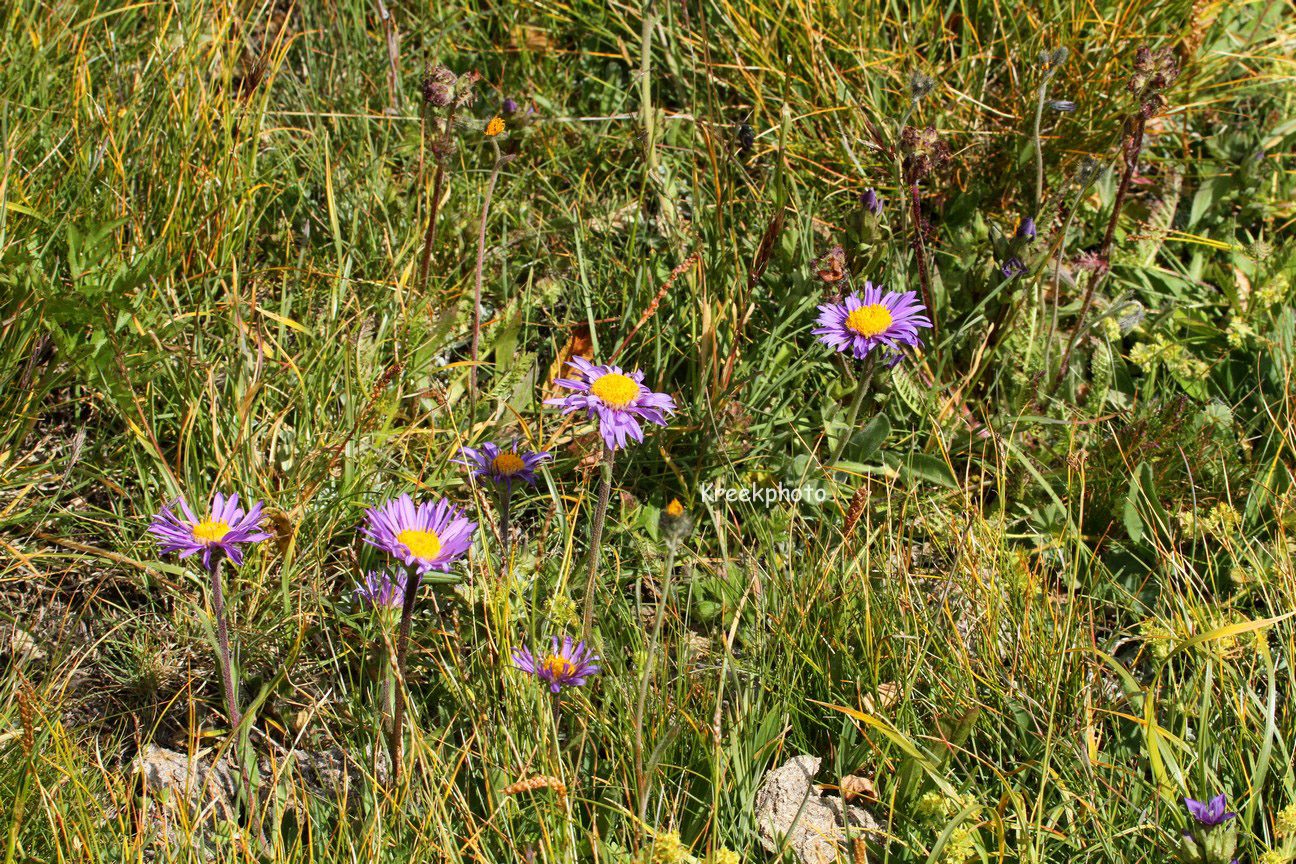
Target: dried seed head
[540, 781]
[831, 266]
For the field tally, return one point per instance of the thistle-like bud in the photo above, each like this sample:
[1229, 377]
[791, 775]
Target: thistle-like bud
[1154, 71]
[920, 85]
[465, 96]
[439, 87]
[510, 106]
[923, 152]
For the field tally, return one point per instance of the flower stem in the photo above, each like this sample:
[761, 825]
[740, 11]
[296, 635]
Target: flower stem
[596, 537]
[920, 256]
[1133, 146]
[641, 777]
[500, 162]
[861, 389]
[1039, 145]
[504, 528]
[222, 638]
[402, 642]
[438, 183]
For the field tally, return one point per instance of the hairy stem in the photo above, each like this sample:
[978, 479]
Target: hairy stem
[921, 256]
[861, 390]
[402, 644]
[596, 538]
[1133, 147]
[1039, 146]
[641, 776]
[500, 162]
[222, 639]
[438, 184]
[504, 529]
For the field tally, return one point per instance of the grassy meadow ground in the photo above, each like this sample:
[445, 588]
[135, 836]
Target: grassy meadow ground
[1044, 595]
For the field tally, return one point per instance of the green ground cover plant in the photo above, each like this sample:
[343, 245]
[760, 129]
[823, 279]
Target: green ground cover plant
[895, 389]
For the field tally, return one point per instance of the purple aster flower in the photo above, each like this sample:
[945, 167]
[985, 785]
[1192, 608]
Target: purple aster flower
[1065, 106]
[872, 320]
[1012, 268]
[380, 590]
[1211, 813]
[1026, 229]
[218, 534]
[871, 202]
[618, 399]
[424, 536]
[503, 466]
[568, 667]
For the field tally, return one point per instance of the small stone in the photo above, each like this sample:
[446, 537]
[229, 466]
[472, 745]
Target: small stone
[789, 805]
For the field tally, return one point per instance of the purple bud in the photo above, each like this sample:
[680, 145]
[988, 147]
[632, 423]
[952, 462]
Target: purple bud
[510, 106]
[1064, 106]
[1026, 229]
[871, 202]
[1012, 268]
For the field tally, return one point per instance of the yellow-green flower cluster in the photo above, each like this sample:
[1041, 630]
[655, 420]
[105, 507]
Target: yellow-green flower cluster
[1285, 822]
[1274, 856]
[725, 856]
[1273, 291]
[668, 848]
[1170, 354]
[1160, 640]
[1239, 332]
[961, 844]
[1220, 521]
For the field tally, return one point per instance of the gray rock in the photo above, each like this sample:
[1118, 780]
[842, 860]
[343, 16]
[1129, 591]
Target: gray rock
[789, 805]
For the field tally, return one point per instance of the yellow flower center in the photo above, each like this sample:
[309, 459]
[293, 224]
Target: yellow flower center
[425, 545]
[869, 320]
[675, 508]
[210, 531]
[558, 667]
[507, 464]
[616, 390]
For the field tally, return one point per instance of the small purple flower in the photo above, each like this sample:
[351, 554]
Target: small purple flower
[510, 106]
[1012, 268]
[503, 466]
[1026, 229]
[875, 319]
[565, 667]
[426, 536]
[218, 534]
[618, 399]
[379, 590]
[1211, 813]
[870, 201]
[1064, 106]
